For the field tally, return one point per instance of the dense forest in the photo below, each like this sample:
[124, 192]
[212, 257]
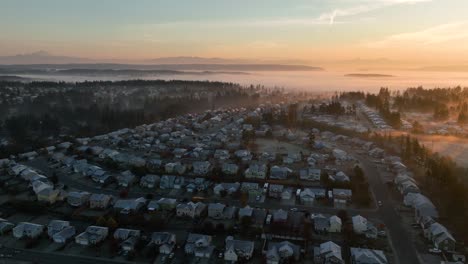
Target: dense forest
[380, 101]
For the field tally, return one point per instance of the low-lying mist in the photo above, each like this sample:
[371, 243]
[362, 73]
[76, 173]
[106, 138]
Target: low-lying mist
[319, 81]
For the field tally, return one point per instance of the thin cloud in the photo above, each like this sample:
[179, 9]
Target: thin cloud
[363, 8]
[440, 34]
[326, 18]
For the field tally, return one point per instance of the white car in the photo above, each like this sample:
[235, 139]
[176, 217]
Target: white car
[435, 251]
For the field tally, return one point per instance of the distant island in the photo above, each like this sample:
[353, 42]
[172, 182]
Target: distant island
[369, 75]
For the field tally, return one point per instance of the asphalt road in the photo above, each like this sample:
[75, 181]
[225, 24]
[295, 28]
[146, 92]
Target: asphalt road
[401, 242]
[39, 257]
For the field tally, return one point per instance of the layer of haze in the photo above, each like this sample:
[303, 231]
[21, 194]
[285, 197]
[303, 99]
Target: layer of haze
[320, 81]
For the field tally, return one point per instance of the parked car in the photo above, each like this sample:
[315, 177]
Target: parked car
[435, 251]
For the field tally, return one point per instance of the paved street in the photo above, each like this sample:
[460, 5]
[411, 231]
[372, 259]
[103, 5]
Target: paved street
[401, 243]
[39, 257]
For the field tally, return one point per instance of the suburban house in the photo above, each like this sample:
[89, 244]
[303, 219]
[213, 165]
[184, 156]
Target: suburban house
[179, 182]
[163, 204]
[154, 165]
[328, 252]
[243, 154]
[229, 168]
[103, 178]
[340, 177]
[335, 224]
[164, 241]
[279, 173]
[256, 171]
[229, 188]
[92, 236]
[280, 216]
[126, 179]
[179, 152]
[100, 201]
[78, 199]
[124, 233]
[367, 256]
[197, 184]
[236, 250]
[175, 168]
[130, 243]
[127, 206]
[291, 158]
[287, 193]
[221, 154]
[27, 230]
[129, 238]
[340, 155]
[16, 170]
[199, 245]
[246, 211]
[201, 168]
[278, 252]
[363, 227]
[190, 209]
[167, 182]
[221, 211]
[49, 195]
[275, 190]
[56, 226]
[341, 197]
[321, 223]
[60, 231]
[310, 174]
[149, 181]
[251, 188]
[5, 226]
[440, 237]
[307, 196]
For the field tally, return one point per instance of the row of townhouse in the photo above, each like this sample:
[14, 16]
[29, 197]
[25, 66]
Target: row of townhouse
[425, 212]
[198, 245]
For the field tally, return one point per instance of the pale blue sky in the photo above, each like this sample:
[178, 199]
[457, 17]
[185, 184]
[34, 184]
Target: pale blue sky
[314, 29]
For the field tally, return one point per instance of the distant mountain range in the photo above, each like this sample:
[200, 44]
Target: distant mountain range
[41, 61]
[42, 57]
[8, 72]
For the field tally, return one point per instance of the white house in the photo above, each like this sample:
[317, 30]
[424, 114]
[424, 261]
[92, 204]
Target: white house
[92, 236]
[190, 209]
[29, 230]
[335, 224]
[328, 252]
[367, 256]
[199, 245]
[256, 170]
[238, 250]
[165, 241]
